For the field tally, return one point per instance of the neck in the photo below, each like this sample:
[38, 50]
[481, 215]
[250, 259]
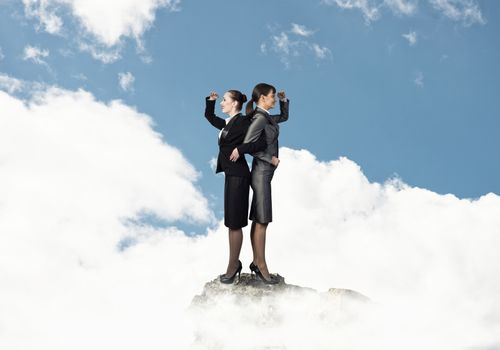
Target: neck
[233, 113]
[263, 107]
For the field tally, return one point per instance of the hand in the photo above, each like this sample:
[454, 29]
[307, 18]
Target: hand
[282, 95]
[213, 96]
[234, 155]
[275, 161]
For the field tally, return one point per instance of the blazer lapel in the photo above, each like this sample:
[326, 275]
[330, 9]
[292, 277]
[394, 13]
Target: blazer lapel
[227, 128]
[268, 117]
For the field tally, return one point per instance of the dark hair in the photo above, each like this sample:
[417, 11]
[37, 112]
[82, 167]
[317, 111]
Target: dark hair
[258, 90]
[238, 97]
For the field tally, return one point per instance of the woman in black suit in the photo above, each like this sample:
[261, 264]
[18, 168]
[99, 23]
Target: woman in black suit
[263, 167]
[237, 173]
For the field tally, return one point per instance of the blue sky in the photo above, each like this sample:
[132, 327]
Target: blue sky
[105, 170]
[402, 88]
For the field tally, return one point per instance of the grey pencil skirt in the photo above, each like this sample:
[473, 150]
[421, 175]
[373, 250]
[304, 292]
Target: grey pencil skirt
[261, 209]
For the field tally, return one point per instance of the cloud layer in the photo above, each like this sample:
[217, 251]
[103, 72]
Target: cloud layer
[81, 269]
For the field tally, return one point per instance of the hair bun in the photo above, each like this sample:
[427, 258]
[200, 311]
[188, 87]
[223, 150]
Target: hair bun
[243, 98]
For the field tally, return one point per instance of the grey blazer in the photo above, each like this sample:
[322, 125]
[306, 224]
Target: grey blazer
[263, 121]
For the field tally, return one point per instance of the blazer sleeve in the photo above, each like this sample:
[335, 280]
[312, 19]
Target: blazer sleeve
[283, 116]
[252, 147]
[219, 123]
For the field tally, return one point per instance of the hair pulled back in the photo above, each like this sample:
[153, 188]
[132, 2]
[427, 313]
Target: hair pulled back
[239, 97]
[259, 90]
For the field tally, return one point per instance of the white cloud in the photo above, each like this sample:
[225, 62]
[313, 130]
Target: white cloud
[411, 37]
[73, 168]
[35, 54]
[213, 163]
[281, 43]
[99, 53]
[45, 11]
[263, 48]
[301, 30]
[76, 175]
[80, 76]
[16, 86]
[321, 52]
[289, 45]
[465, 11]
[9, 84]
[107, 21]
[2, 56]
[126, 81]
[402, 7]
[419, 79]
[369, 8]
[103, 24]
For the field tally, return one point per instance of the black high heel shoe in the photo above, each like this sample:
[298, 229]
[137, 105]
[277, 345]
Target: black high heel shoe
[254, 268]
[228, 280]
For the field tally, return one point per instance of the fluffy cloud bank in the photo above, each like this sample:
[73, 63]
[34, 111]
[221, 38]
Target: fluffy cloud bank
[74, 171]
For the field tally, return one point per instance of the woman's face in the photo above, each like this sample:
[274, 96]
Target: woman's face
[269, 100]
[227, 104]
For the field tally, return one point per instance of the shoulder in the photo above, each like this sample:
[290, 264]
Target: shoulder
[259, 117]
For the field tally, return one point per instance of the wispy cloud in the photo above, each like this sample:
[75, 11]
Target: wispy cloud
[301, 30]
[16, 86]
[321, 52]
[290, 45]
[369, 8]
[411, 37]
[2, 56]
[100, 53]
[126, 81]
[418, 79]
[10, 84]
[465, 11]
[402, 7]
[80, 76]
[45, 12]
[35, 54]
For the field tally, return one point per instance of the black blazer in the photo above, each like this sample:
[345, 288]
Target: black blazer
[232, 136]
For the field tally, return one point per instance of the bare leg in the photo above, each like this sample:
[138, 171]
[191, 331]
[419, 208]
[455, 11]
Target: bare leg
[259, 248]
[235, 241]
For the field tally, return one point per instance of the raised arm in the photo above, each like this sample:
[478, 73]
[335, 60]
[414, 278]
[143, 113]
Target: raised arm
[219, 123]
[284, 102]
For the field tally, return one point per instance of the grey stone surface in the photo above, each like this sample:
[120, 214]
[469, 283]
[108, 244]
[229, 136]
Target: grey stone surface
[252, 315]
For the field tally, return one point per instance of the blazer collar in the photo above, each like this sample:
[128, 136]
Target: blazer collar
[262, 110]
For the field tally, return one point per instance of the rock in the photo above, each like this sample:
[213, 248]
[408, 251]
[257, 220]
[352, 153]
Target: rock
[267, 316]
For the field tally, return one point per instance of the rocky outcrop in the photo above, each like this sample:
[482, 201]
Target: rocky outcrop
[259, 316]
[250, 288]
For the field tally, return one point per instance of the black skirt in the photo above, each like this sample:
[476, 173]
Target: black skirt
[236, 190]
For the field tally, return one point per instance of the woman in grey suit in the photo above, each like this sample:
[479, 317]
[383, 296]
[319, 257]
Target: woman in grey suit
[263, 166]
